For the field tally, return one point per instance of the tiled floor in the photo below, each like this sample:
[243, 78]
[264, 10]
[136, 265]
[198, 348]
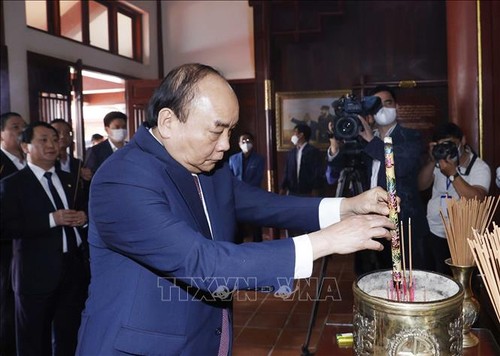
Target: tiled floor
[268, 325]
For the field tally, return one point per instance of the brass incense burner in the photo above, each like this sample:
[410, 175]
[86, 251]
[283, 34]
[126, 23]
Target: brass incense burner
[431, 325]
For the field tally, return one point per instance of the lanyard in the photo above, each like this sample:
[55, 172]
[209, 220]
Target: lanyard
[448, 184]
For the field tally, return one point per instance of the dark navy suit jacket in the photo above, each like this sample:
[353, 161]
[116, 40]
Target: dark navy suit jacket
[38, 254]
[310, 174]
[254, 168]
[97, 154]
[154, 264]
[7, 166]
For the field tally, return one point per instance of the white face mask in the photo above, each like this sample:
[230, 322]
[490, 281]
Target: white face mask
[118, 135]
[246, 147]
[385, 116]
[294, 139]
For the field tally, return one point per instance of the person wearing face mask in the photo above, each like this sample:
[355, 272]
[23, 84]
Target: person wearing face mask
[303, 170]
[461, 174]
[408, 150]
[115, 124]
[248, 166]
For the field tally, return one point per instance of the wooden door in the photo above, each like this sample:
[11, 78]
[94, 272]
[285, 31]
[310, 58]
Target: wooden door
[137, 95]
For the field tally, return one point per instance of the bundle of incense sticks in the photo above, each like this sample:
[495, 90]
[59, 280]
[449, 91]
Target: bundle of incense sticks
[393, 215]
[486, 251]
[406, 292]
[464, 216]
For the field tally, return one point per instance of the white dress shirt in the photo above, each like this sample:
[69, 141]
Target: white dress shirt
[39, 172]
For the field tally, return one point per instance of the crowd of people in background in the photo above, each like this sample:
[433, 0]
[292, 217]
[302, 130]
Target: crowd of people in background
[45, 194]
[45, 268]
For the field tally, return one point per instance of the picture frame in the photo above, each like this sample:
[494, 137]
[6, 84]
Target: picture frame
[293, 108]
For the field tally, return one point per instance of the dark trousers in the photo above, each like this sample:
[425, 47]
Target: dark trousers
[47, 324]
[7, 330]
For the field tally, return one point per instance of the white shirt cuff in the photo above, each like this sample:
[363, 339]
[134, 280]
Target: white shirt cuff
[328, 214]
[329, 156]
[329, 211]
[303, 257]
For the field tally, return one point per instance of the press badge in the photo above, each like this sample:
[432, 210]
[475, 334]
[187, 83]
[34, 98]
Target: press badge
[444, 205]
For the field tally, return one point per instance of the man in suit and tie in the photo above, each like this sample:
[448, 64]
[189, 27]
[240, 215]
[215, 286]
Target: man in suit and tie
[163, 213]
[11, 160]
[248, 166]
[66, 162]
[115, 124]
[303, 169]
[11, 156]
[49, 273]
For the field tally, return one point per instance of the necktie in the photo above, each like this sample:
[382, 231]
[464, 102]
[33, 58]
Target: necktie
[224, 337]
[70, 233]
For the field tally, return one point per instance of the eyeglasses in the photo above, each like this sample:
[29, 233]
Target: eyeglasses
[246, 140]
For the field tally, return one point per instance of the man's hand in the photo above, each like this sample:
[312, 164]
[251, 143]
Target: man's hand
[86, 173]
[69, 217]
[366, 133]
[448, 166]
[350, 235]
[334, 144]
[373, 201]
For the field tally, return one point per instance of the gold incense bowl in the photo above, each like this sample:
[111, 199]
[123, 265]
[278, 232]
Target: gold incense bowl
[431, 325]
[470, 308]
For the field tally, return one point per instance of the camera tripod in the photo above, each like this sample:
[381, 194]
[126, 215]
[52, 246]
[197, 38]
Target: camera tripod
[349, 184]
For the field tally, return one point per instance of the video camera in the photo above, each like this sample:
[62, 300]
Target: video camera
[444, 150]
[346, 124]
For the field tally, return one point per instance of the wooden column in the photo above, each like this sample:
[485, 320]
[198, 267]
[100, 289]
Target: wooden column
[265, 94]
[263, 79]
[463, 90]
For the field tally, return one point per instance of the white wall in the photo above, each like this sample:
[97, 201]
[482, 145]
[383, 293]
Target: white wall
[217, 33]
[20, 39]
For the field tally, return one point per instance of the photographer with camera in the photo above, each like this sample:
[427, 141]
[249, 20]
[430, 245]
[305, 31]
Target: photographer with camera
[407, 145]
[454, 170]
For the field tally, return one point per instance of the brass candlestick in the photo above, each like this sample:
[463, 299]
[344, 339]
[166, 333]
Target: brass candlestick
[470, 308]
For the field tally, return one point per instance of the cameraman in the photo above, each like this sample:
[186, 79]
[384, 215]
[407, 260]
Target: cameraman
[454, 171]
[407, 146]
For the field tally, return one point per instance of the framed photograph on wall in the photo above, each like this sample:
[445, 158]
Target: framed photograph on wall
[313, 108]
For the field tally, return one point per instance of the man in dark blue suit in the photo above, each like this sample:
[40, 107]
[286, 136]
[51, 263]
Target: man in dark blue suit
[115, 124]
[408, 150]
[248, 166]
[49, 273]
[66, 162]
[303, 169]
[11, 160]
[163, 213]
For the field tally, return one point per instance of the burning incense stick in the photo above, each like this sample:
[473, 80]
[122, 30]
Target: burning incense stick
[410, 253]
[393, 215]
[402, 234]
